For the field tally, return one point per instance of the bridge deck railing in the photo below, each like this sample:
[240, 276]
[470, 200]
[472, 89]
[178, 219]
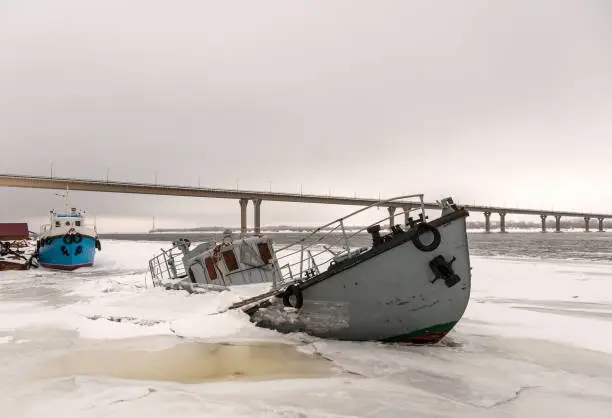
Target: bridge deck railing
[11, 180]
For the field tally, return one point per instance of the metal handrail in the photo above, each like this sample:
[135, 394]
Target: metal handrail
[161, 268]
[344, 237]
[350, 215]
[312, 257]
[337, 240]
[48, 227]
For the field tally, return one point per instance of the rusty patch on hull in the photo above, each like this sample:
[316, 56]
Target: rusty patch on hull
[7, 265]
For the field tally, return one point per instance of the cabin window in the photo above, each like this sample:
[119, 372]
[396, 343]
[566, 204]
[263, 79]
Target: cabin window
[264, 252]
[230, 260]
[210, 267]
[77, 223]
[57, 223]
[67, 223]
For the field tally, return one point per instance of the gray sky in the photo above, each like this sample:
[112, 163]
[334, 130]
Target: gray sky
[497, 102]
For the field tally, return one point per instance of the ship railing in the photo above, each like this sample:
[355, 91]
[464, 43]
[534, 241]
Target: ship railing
[166, 266]
[48, 227]
[90, 226]
[314, 253]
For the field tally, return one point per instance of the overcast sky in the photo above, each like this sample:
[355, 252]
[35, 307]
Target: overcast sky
[493, 102]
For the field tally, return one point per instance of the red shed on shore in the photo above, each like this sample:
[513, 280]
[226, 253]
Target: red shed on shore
[13, 231]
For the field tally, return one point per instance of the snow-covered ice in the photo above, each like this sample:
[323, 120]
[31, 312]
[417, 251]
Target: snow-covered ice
[535, 341]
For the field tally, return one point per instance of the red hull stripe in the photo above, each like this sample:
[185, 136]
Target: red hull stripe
[429, 335]
[429, 338]
[65, 267]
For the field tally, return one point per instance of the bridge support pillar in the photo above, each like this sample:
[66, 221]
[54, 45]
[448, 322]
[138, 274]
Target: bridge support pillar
[502, 222]
[391, 210]
[601, 225]
[543, 217]
[586, 224]
[406, 214]
[243, 215]
[487, 216]
[257, 215]
[557, 223]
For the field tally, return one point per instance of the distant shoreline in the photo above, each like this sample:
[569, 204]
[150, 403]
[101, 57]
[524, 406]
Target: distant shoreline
[474, 226]
[204, 235]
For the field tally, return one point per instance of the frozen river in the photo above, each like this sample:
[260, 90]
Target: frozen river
[535, 341]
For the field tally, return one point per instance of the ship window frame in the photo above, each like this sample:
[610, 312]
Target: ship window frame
[232, 263]
[266, 255]
[210, 268]
[58, 224]
[77, 223]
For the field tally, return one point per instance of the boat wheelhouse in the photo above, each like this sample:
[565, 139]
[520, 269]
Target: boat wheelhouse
[217, 265]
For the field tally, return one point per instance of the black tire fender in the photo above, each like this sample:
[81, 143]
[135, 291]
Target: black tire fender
[67, 239]
[77, 238]
[293, 290]
[48, 241]
[420, 230]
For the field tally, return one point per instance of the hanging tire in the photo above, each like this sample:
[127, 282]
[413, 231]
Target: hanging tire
[423, 228]
[77, 238]
[67, 239]
[292, 297]
[48, 241]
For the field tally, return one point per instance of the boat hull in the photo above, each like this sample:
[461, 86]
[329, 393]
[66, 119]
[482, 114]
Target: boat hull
[55, 253]
[387, 295]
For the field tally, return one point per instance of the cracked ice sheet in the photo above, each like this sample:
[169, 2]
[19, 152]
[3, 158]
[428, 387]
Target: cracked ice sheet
[501, 360]
[90, 301]
[566, 302]
[330, 397]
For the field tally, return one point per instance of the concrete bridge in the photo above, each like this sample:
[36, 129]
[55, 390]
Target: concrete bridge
[257, 197]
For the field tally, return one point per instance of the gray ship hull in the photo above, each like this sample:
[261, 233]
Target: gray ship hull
[389, 293]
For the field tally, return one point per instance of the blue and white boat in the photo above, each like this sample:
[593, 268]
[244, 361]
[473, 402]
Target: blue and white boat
[67, 243]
